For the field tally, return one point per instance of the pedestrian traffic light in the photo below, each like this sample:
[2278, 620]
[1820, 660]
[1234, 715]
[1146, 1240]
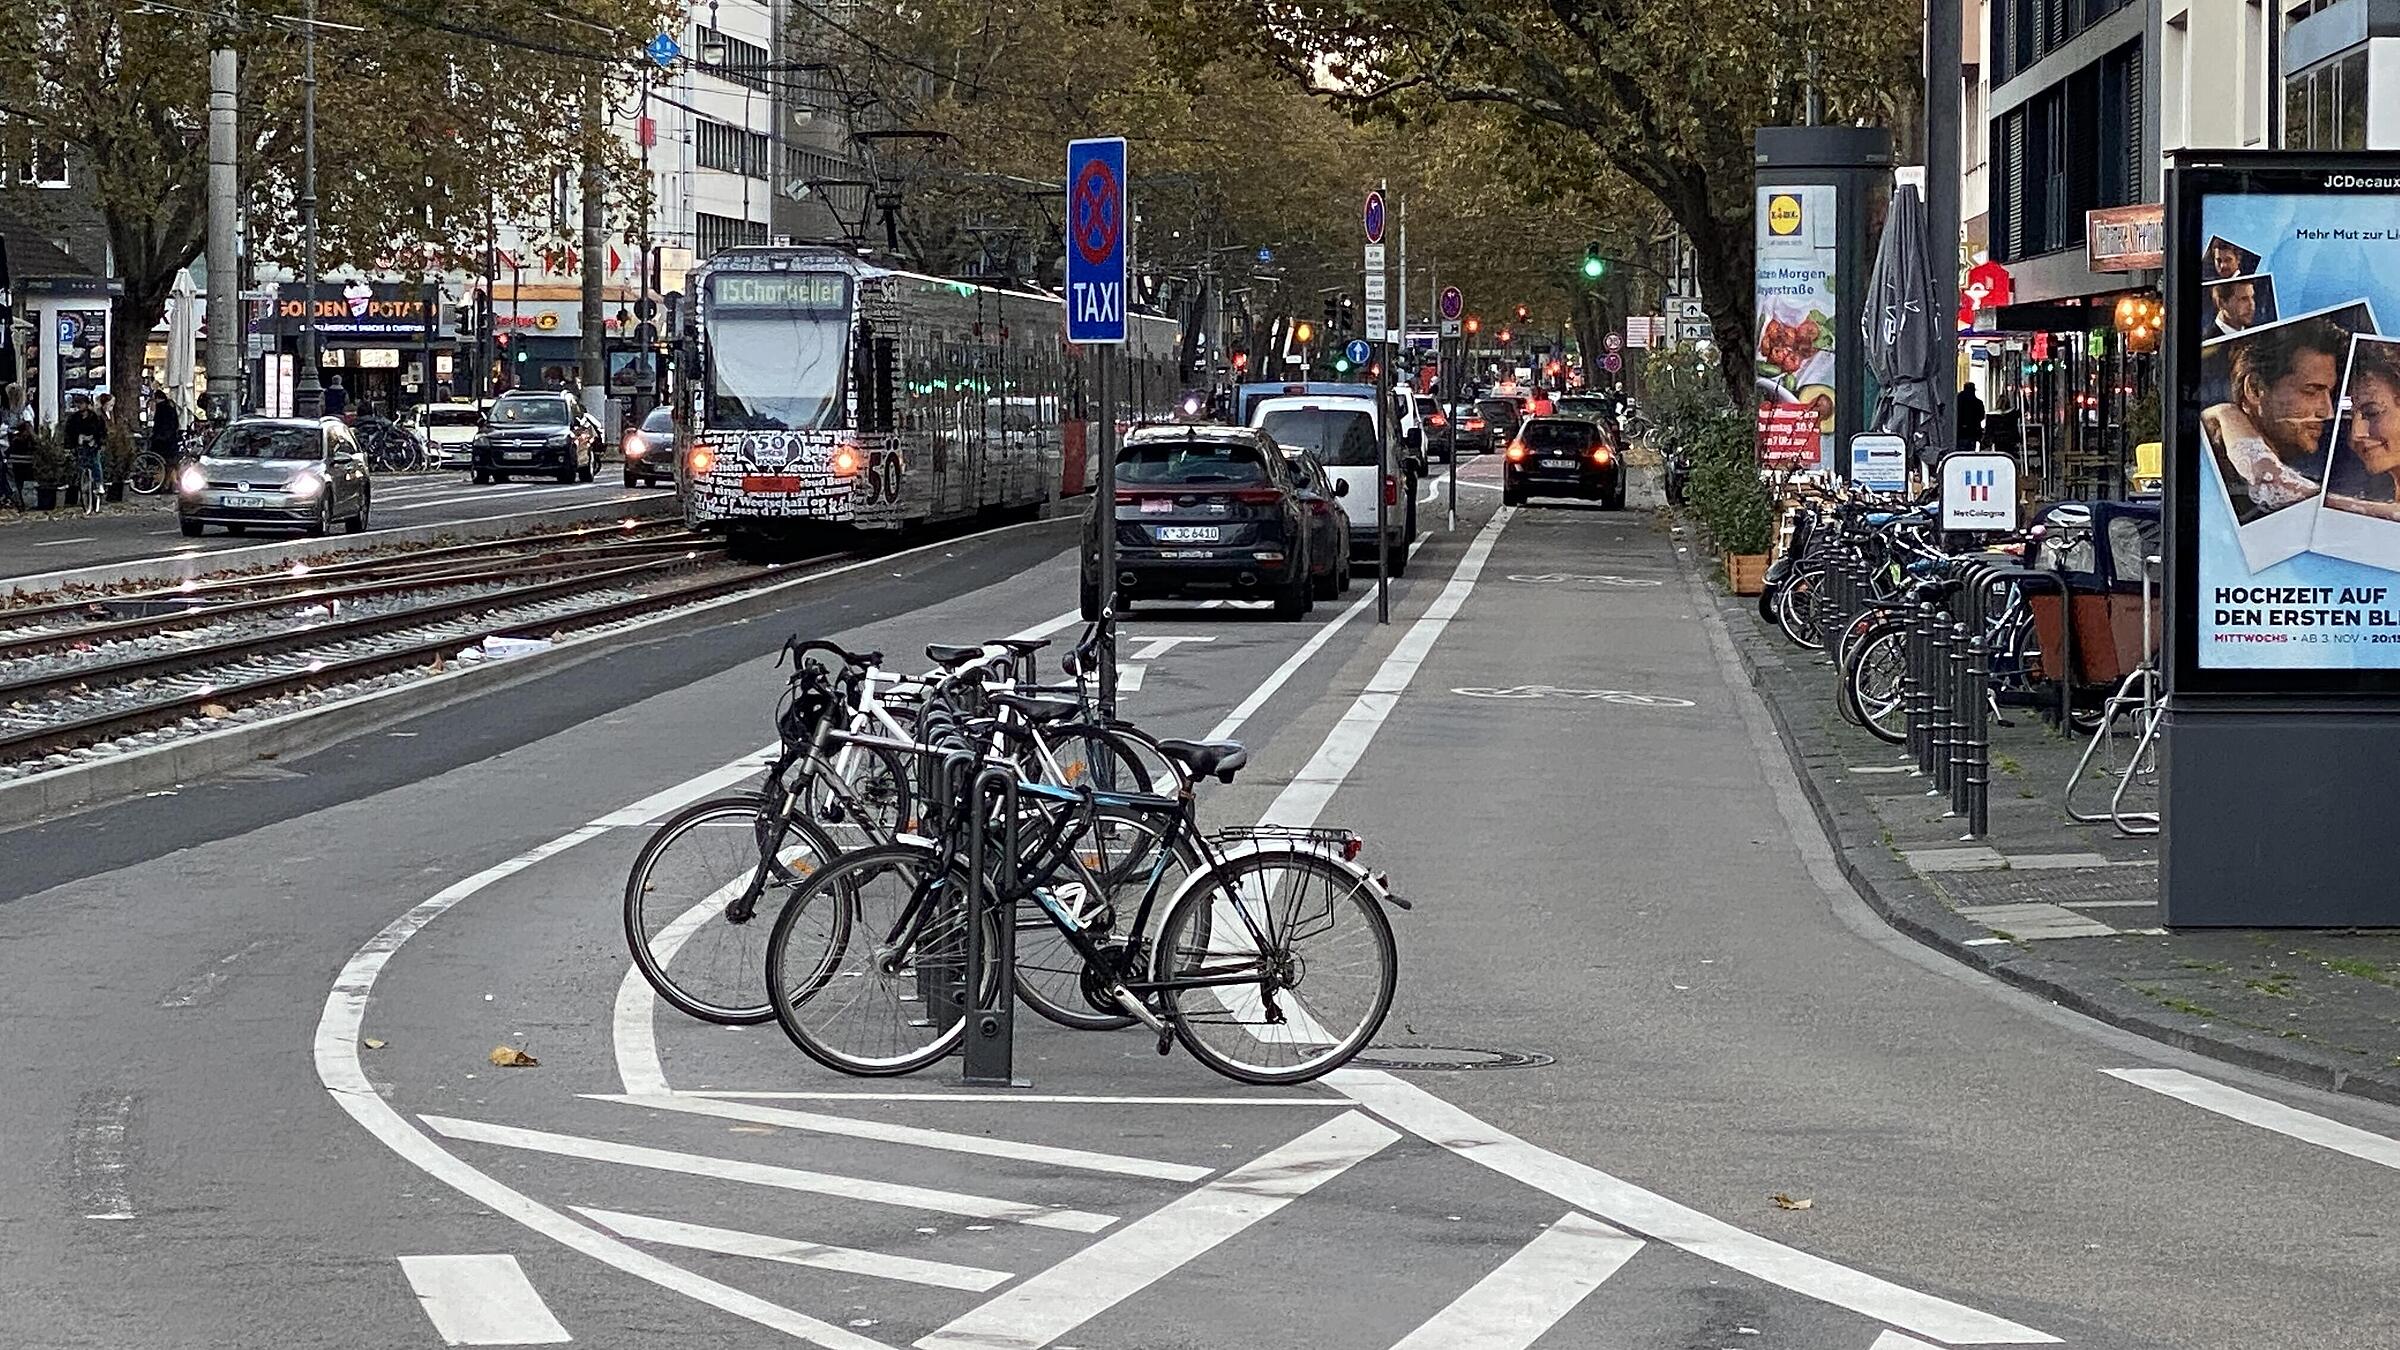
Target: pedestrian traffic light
[1304, 331]
[1593, 264]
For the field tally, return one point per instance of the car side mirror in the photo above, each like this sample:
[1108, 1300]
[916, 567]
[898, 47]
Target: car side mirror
[1341, 487]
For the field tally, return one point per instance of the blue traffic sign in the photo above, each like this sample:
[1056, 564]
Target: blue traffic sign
[663, 50]
[1096, 240]
[1265, 255]
[1374, 217]
[1358, 351]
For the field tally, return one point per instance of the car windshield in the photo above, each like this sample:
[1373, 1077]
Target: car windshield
[452, 417]
[1338, 437]
[1498, 409]
[530, 412]
[1547, 433]
[1192, 461]
[661, 418]
[266, 442]
[1584, 407]
[776, 371]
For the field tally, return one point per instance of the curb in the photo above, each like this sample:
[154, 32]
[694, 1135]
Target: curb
[185, 760]
[311, 549]
[1902, 900]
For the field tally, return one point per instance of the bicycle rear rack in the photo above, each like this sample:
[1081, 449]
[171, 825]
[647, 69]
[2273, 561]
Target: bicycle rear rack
[1320, 836]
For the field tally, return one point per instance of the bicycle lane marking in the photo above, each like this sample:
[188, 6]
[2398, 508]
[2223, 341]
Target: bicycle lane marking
[1605, 1196]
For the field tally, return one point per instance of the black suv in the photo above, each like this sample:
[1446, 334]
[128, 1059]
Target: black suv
[1204, 510]
[1564, 457]
[536, 432]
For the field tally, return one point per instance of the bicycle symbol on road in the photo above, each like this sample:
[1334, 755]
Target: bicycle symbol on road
[1621, 697]
[1596, 578]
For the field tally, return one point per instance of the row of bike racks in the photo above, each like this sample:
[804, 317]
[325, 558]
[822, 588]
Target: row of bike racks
[1943, 689]
[989, 797]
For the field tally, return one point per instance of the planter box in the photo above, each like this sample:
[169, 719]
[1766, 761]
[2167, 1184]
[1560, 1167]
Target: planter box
[1746, 572]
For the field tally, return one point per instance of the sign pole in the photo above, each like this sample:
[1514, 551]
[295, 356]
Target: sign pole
[1373, 219]
[1105, 525]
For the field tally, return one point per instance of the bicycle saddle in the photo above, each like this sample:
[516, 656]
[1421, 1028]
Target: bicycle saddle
[1203, 758]
[1037, 709]
[951, 657]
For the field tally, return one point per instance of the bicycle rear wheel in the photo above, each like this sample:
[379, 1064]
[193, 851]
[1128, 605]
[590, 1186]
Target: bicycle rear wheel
[1875, 681]
[705, 960]
[862, 982]
[1320, 951]
[1119, 849]
[149, 473]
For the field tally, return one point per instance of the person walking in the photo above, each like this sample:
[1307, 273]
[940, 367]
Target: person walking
[16, 429]
[1970, 418]
[166, 428]
[86, 435]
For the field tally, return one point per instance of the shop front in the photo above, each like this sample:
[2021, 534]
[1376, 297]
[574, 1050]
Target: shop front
[383, 344]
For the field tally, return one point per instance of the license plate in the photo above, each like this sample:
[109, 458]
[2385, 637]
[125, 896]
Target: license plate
[1558, 464]
[516, 456]
[771, 483]
[1187, 534]
[245, 501]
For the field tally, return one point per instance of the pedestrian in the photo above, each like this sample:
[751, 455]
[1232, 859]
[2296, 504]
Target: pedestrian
[336, 398]
[86, 435]
[1970, 417]
[16, 427]
[166, 427]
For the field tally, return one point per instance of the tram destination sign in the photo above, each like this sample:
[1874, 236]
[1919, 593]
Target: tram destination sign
[780, 290]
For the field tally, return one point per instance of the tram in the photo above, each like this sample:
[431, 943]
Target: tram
[825, 390]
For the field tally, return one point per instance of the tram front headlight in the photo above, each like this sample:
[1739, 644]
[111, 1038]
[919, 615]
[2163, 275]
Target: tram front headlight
[703, 460]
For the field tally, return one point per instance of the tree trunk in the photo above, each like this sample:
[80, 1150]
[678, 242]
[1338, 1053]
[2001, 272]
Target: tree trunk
[1723, 253]
[131, 317]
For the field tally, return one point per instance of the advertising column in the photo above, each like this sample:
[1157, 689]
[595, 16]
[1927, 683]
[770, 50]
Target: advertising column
[2284, 494]
[1797, 337]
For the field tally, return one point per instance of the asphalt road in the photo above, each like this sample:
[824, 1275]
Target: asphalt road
[248, 1027]
[37, 542]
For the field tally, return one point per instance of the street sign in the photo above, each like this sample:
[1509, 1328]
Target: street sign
[1358, 351]
[663, 50]
[1979, 492]
[1377, 319]
[1695, 330]
[1612, 362]
[1613, 341]
[1453, 303]
[1452, 328]
[1879, 463]
[1096, 235]
[1376, 281]
[1374, 258]
[1374, 217]
[1265, 255]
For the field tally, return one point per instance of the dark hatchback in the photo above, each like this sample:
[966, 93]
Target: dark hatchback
[1205, 511]
[1564, 457]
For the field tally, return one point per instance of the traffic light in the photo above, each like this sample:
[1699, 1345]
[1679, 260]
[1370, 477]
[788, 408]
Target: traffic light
[1523, 313]
[1503, 335]
[1304, 331]
[1593, 264]
[1474, 325]
[1241, 360]
[1341, 365]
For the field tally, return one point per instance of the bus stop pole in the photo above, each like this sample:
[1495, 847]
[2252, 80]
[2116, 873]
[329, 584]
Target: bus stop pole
[1104, 524]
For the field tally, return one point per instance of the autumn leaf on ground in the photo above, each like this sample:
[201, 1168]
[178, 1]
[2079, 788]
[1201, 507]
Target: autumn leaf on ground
[215, 710]
[371, 1043]
[510, 1057]
[1781, 1200]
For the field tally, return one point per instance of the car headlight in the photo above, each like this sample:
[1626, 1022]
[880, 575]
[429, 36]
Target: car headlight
[305, 485]
[192, 479]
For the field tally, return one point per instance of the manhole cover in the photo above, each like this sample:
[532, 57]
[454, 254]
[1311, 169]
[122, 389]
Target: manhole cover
[1446, 1057]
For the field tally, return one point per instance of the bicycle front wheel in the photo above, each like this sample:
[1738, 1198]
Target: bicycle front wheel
[867, 966]
[1877, 682]
[1121, 850]
[1298, 961]
[701, 951]
[149, 473]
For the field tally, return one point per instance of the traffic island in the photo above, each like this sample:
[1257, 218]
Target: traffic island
[2070, 911]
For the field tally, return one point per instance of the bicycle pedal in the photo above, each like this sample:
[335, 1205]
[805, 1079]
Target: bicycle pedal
[1166, 1041]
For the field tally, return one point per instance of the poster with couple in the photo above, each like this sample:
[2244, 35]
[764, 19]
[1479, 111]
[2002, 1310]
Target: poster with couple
[2293, 406]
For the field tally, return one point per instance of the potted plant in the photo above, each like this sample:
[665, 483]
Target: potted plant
[1732, 498]
[50, 467]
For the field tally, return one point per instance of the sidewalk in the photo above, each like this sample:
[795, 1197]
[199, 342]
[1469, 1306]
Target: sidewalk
[2069, 911]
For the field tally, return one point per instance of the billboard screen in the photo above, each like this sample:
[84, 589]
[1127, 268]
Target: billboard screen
[1798, 339]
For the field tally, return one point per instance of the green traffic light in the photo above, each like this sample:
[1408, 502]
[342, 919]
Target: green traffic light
[1341, 365]
[1593, 267]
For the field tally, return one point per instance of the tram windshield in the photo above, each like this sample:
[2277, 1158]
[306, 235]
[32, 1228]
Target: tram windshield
[777, 349]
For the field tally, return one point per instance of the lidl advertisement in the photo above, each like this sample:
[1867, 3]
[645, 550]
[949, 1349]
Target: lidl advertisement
[2299, 449]
[1796, 332]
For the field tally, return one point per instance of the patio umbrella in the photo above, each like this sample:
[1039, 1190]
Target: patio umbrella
[1899, 329]
[183, 332]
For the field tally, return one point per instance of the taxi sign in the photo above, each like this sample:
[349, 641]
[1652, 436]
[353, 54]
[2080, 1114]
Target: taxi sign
[1096, 240]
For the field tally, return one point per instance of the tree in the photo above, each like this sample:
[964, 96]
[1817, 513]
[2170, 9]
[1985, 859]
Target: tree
[1664, 92]
[427, 122]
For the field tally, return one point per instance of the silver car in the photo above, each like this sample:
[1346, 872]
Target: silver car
[276, 471]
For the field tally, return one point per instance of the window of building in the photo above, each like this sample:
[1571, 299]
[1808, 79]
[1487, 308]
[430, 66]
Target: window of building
[44, 164]
[2325, 106]
[730, 149]
[743, 63]
[713, 234]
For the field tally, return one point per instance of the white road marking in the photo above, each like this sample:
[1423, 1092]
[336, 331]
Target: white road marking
[979, 1145]
[1249, 707]
[1893, 1340]
[1040, 1098]
[1156, 645]
[1305, 797]
[1106, 1273]
[1654, 1216]
[2235, 1104]
[768, 1174]
[1129, 677]
[482, 1300]
[59, 543]
[1513, 1306]
[668, 801]
[821, 1255]
[97, 1155]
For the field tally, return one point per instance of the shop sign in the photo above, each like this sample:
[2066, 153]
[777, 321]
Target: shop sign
[355, 309]
[1987, 286]
[2125, 238]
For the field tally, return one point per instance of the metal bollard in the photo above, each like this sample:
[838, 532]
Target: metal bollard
[1940, 685]
[991, 1011]
[1920, 624]
[1979, 717]
[1963, 697]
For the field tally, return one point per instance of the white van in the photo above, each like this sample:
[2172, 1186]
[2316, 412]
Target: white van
[1342, 433]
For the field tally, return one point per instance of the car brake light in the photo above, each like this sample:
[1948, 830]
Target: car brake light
[1600, 454]
[1391, 491]
[1437, 420]
[1516, 452]
[1258, 496]
[1126, 496]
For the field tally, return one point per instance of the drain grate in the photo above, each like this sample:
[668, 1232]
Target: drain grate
[2057, 887]
[1450, 1057]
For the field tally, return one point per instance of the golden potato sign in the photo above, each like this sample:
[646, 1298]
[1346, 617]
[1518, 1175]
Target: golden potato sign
[1783, 214]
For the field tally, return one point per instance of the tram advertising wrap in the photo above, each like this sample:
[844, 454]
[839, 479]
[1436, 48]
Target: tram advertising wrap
[2290, 393]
